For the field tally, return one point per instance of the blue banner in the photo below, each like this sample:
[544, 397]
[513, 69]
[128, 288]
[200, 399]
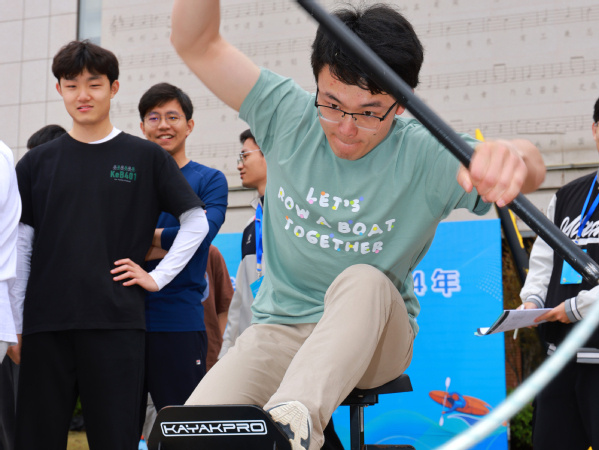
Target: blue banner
[457, 376]
[229, 245]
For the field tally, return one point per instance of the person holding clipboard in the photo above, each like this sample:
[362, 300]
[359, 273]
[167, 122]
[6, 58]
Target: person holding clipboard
[566, 413]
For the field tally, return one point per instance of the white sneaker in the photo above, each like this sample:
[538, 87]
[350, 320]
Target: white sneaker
[294, 419]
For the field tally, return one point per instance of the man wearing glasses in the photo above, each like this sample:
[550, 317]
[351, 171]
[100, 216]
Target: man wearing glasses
[354, 196]
[176, 341]
[566, 412]
[252, 171]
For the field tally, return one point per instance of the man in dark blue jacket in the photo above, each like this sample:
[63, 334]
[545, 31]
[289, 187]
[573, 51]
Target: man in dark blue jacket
[176, 343]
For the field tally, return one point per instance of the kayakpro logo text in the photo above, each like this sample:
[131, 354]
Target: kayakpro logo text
[214, 428]
[123, 173]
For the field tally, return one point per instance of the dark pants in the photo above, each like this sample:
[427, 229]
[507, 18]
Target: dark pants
[9, 377]
[331, 439]
[104, 367]
[175, 364]
[566, 414]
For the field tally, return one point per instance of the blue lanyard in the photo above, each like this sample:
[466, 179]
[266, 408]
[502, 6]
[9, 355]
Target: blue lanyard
[259, 248]
[585, 218]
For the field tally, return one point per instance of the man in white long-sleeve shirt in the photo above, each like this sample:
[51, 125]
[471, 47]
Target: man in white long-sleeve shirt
[566, 411]
[9, 368]
[10, 211]
[91, 199]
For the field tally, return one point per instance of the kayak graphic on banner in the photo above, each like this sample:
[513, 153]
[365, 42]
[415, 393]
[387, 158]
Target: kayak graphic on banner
[457, 377]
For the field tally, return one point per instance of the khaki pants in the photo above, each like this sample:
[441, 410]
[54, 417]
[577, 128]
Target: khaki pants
[363, 340]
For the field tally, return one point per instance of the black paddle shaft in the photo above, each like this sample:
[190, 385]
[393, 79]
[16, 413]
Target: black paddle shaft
[391, 83]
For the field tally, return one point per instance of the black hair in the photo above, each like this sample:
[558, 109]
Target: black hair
[161, 93]
[245, 135]
[45, 134]
[77, 56]
[596, 112]
[385, 31]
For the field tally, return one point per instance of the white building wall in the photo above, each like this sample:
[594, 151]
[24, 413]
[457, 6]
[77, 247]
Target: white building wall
[31, 31]
[511, 68]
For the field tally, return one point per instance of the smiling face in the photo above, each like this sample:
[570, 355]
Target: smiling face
[87, 99]
[170, 136]
[347, 140]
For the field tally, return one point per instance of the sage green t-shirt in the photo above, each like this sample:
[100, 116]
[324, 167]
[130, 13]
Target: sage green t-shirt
[323, 214]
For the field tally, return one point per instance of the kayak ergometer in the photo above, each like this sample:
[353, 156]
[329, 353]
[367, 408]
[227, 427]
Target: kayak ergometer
[216, 427]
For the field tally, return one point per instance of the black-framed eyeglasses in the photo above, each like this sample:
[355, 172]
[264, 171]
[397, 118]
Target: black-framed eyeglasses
[243, 155]
[361, 120]
[154, 119]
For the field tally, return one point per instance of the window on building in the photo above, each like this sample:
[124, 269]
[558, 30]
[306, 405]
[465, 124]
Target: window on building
[90, 20]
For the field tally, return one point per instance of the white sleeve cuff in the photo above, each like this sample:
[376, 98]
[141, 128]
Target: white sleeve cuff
[3, 348]
[536, 300]
[583, 302]
[572, 310]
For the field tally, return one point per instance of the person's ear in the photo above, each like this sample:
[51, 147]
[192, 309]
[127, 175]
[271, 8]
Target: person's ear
[114, 88]
[399, 110]
[190, 125]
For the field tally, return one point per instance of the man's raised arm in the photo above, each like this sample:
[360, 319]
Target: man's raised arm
[227, 72]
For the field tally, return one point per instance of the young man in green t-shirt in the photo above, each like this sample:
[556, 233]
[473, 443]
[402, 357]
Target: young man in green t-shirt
[353, 199]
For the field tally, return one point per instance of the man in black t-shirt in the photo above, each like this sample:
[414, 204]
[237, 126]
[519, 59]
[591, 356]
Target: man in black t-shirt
[90, 202]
